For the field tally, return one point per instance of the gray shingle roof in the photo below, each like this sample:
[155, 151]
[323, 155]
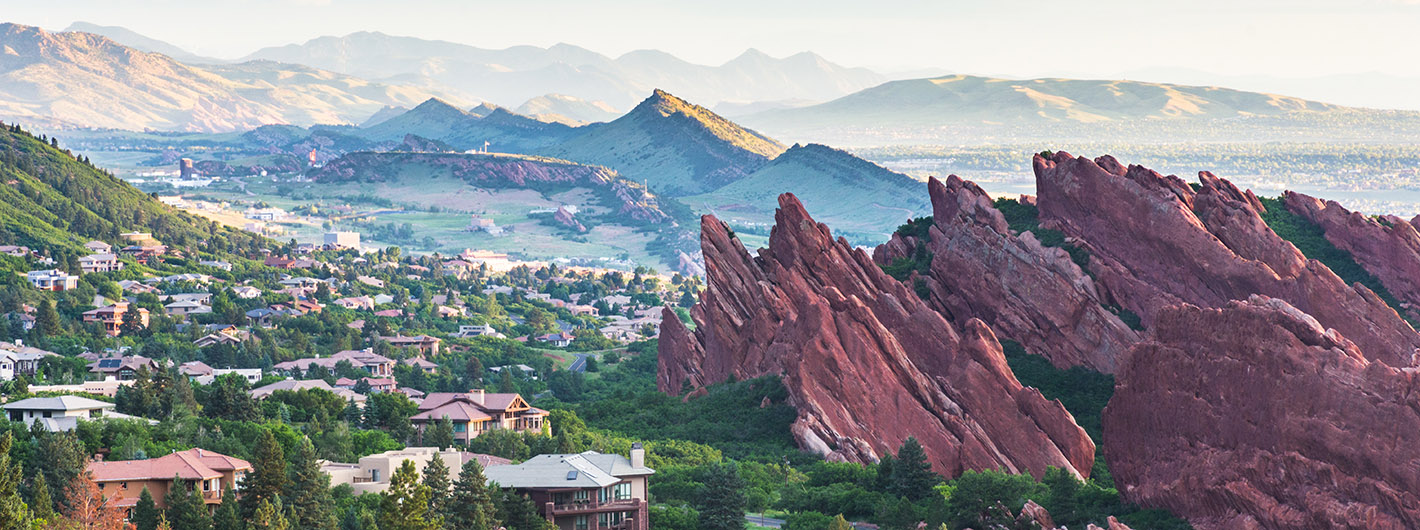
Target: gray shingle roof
[584, 470]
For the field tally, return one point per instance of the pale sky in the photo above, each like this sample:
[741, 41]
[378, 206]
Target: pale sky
[1291, 38]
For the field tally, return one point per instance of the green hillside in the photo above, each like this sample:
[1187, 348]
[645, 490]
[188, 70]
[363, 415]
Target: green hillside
[50, 200]
[854, 196]
[677, 148]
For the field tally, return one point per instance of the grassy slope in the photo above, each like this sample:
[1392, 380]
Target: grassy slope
[850, 194]
[49, 199]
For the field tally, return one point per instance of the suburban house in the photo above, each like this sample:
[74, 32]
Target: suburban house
[24, 360]
[144, 254]
[100, 263]
[230, 335]
[425, 344]
[356, 302]
[122, 368]
[372, 473]
[98, 247]
[476, 412]
[559, 340]
[112, 317]
[377, 384]
[377, 365]
[197, 469]
[520, 369]
[60, 413]
[422, 364]
[584, 491]
[216, 264]
[52, 280]
[295, 385]
[185, 308]
[246, 292]
[263, 316]
[480, 330]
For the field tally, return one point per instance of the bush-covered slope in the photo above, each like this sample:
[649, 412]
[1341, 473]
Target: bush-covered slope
[49, 199]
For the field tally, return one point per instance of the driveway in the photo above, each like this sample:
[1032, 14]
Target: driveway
[580, 364]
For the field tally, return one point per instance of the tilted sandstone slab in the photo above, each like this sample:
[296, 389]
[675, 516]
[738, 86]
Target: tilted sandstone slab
[1388, 247]
[866, 362]
[1254, 415]
[1027, 292]
[1155, 242]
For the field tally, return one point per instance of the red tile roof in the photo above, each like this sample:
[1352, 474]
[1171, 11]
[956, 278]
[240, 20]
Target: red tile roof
[192, 464]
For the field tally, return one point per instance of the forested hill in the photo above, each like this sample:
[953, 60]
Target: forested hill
[51, 200]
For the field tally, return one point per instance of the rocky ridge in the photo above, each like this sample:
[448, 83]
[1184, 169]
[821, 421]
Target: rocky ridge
[850, 343]
[1028, 292]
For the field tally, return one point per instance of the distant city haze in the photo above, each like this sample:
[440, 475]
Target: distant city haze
[1356, 52]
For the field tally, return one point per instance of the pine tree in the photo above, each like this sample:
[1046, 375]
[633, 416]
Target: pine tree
[14, 514]
[505, 382]
[441, 434]
[308, 490]
[184, 506]
[41, 505]
[519, 513]
[61, 458]
[227, 516]
[163, 523]
[436, 477]
[405, 505]
[268, 476]
[145, 514]
[724, 499]
[470, 506]
[912, 475]
[268, 515]
[47, 321]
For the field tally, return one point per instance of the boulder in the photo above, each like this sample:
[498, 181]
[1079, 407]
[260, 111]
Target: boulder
[866, 362]
[1255, 415]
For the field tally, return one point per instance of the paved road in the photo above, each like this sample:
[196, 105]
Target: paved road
[579, 365]
[760, 520]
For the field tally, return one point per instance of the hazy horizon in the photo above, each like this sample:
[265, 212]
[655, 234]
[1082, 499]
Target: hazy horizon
[1252, 44]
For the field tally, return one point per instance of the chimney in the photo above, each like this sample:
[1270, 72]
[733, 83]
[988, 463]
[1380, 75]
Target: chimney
[638, 455]
[477, 395]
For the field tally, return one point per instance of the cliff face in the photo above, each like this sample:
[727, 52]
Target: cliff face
[1388, 247]
[1256, 416]
[867, 363]
[1027, 292]
[1155, 242]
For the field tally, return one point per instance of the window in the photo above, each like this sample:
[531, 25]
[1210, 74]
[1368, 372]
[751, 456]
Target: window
[123, 485]
[374, 475]
[581, 523]
[206, 485]
[460, 427]
[581, 495]
[621, 491]
[48, 414]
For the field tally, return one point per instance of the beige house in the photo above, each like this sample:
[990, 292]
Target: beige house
[476, 412]
[197, 469]
[372, 474]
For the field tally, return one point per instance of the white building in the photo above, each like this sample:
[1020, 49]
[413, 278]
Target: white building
[342, 240]
[52, 280]
[61, 413]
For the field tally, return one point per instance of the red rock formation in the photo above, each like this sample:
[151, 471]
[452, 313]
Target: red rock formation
[866, 362]
[1388, 247]
[1027, 292]
[1256, 416]
[565, 217]
[1154, 242]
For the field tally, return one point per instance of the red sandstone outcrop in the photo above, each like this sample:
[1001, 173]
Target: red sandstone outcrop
[1254, 415]
[1033, 514]
[1027, 292]
[567, 219]
[1155, 242]
[866, 362]
[1388, 247]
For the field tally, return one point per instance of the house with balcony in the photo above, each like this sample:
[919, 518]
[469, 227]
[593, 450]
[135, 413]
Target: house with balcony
[122, 368]
[583, 491]
[52, 280]
[100, 263]
[424, 344]
[112, 317]
[476, 412]
[201, 470]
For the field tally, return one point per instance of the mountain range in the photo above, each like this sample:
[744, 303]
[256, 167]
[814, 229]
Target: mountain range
[75, 79]
[513, 75]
